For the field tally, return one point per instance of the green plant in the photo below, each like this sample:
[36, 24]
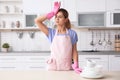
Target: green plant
[5, 45]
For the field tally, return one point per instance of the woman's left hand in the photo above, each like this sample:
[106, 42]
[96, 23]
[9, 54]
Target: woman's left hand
[76, 68]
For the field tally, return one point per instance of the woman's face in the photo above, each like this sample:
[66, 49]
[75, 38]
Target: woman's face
[60, 20]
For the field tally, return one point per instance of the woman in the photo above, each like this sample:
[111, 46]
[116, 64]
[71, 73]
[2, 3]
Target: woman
[63, 40]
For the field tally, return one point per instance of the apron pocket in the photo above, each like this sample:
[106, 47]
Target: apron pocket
[51, 64]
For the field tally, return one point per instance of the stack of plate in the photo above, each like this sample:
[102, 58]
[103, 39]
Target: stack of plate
[91, 73]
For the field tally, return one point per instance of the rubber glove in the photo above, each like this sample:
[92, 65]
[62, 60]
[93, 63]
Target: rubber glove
[54, 11]
[76, 68]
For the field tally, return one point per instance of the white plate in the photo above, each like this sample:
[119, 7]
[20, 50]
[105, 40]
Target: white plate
[91, 75]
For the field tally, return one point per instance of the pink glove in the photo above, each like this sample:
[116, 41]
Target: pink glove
[55, 10]
[56, 7]
[76, 68]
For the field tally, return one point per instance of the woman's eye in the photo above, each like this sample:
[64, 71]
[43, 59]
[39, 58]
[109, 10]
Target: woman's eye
[59, 17]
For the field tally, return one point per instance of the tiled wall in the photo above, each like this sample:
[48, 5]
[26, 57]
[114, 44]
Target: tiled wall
[85, 37]
[41, 43]
[38, 43]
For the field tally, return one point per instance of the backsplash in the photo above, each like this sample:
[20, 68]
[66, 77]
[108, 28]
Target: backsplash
[41, 43]
[85, 39]
[26, 43]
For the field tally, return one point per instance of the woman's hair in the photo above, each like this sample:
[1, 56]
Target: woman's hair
[65, 13]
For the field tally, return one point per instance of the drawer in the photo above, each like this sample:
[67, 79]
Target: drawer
[11, 59]
[114, 65]
[114, 57]
[23, 58]
[40, 59]
[11, 66]
[35, 66]
[93, 57]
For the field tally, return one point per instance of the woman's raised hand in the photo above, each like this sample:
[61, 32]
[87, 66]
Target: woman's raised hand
[54, 11]
[56, 7]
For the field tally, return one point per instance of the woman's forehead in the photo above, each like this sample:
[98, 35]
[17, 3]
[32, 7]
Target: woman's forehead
[59, 14]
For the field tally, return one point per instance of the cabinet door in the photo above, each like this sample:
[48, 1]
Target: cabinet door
[114, 62]
[100, 60]
[34, 66]
[11, 66]
[26, 62]
[39, 59]
[35, 62]
[90, 5]
[113, 4]
[36, 6]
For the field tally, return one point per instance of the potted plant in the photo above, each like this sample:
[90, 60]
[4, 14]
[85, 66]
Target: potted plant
[6, 46]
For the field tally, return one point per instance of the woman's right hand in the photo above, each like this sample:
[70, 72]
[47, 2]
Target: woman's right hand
[56, 7]
[54, 11]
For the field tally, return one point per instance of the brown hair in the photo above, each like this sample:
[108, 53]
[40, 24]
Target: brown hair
[66, 14]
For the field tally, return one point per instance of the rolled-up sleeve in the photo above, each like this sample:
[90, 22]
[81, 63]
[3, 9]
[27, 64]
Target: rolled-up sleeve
[51, 33]
[74, 38]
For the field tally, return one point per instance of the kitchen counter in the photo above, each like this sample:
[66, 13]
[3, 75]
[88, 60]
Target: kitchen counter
[51, 75]
[98, 53]
[47, 53]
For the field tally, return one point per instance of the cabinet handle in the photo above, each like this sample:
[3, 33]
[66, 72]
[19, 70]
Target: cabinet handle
[37, 59]
[117, 56]
[37, 67]
[7, 58]
[93, 58]
[8, 67]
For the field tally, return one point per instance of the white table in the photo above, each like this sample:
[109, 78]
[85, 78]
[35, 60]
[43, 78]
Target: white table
[51, 75]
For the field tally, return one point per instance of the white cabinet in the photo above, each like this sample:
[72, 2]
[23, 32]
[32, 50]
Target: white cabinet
[114, 62]
[100, 59]
[71, 8]
[23, 62]
[90, 5]
[113, 5]
[35, 62]
[11, 62]
[37, 6]
[11, 13]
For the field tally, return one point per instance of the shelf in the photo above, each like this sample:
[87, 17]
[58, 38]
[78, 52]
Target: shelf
[99, 28]
[37, 29]
[10, 0]
[105, 28]
[11, 14]
[19, 29]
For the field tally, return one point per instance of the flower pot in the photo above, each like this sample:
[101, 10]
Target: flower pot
[5, 49]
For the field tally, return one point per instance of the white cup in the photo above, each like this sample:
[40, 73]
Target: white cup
[91, 64]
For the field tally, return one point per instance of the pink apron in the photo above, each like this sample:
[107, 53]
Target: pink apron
[61, 53]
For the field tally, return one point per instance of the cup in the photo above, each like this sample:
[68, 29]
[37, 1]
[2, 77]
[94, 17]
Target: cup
[91, 64]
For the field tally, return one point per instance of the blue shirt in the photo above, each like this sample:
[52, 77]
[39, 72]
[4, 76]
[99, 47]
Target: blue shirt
[71, 33]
